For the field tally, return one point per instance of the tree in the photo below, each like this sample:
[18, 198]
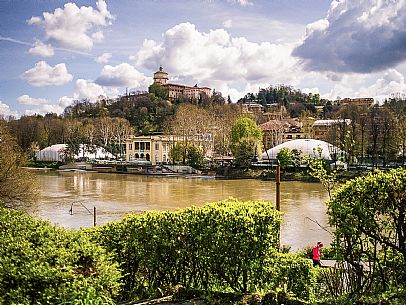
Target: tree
[245, 128]
[369, 214]
[18, 187]
[195, 156]
[285, 157]
[158, 91]
[246, 141]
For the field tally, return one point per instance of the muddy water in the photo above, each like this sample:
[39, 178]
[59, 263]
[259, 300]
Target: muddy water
[114, 195]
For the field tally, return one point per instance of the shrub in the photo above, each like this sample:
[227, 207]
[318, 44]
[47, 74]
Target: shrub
[224, 246]
[43, 264]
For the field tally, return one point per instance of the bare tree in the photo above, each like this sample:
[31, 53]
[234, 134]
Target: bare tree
[18, 187]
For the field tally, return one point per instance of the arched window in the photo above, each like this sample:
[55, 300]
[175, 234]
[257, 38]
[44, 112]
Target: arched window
[136, 156]
[147, 157]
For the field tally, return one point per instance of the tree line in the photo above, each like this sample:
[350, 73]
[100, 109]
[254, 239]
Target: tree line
[375, 134]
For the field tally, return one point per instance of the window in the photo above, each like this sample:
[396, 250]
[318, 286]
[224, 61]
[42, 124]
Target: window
[130, 146]
[289, 136]
[142, 146]
[147, 157]
[156, 146]
[148, 146]
[298, 136]
[137, 145]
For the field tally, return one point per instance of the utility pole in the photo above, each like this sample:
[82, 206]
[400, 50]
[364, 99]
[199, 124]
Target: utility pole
[94, 216]
[278, 186]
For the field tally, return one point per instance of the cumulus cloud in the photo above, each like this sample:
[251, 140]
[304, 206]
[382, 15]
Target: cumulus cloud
[241, 2]
[5, 110]
[104, 58]
[75, 27]
[216, 55]
[356, 36]
[228, 23]
[30, 101]
[391, 82]
[87, 89]
[44, 109]
[41, 49]
[44, 75]
[122, 75]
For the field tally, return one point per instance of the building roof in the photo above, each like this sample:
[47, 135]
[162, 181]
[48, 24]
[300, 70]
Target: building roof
[331, 122]
[308, 147]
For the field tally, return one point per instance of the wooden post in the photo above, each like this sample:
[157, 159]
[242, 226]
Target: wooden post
[94, 216]
[278, 186]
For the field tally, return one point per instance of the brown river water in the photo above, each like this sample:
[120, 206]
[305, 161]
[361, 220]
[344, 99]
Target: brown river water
[114, 195]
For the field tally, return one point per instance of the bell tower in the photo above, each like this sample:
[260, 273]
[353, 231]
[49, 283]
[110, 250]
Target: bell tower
[161, 77]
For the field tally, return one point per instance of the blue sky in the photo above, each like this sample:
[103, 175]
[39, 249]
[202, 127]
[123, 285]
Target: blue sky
[54, 51]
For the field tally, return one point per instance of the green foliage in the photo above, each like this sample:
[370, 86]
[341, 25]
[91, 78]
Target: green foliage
[245, 151]
[42, 264]
[245, 128]
[176, 152]
[158, 91]
[223, 246]
[369, 214]
[195, 156]
[246, 139]
[190, 153]
[318, 169]
[285, 158]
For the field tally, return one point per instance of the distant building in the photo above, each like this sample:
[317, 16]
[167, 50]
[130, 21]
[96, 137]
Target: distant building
[176, 91]
[156, 148]
[360, 101]
[275, 132]
[322, 128]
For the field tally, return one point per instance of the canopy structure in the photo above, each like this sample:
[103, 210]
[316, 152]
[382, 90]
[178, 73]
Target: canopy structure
[309, 148]
[56, 153]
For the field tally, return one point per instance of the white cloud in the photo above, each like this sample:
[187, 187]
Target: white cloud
[391, 82]
[216, 56]
[5, 110]
[30, 101]
[44, 106]
[122, 75]
[41, 49]
[44, 109]
[65, 101]
[104, 58]
[241, 2]
[356, 36]
[75, 27]
[228, 23]
[45, 75]
[88, 89]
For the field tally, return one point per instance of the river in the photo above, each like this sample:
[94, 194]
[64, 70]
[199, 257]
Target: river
[114, 195]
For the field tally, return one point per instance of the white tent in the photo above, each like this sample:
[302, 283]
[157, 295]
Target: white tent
[56, 153]
[308, 147]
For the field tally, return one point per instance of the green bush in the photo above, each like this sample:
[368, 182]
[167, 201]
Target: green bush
[43, 264]
[222, 246]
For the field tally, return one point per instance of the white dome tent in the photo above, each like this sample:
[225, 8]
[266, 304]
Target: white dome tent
[309, 148]
[56, 153]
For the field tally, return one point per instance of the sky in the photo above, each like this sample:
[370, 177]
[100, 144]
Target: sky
[53, 52]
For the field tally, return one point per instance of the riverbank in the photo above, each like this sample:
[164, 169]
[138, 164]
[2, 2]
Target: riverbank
[228, 173]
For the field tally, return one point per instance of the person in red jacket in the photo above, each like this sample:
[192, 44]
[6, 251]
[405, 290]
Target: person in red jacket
[316, 253]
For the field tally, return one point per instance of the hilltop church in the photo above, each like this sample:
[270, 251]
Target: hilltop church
[175, 90]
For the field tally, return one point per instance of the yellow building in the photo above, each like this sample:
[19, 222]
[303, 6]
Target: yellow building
[156, 148]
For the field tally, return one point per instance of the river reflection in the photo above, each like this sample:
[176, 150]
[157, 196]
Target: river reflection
[114, 195]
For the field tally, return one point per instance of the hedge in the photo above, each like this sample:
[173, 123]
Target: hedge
[223, 246]
[43, 264]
